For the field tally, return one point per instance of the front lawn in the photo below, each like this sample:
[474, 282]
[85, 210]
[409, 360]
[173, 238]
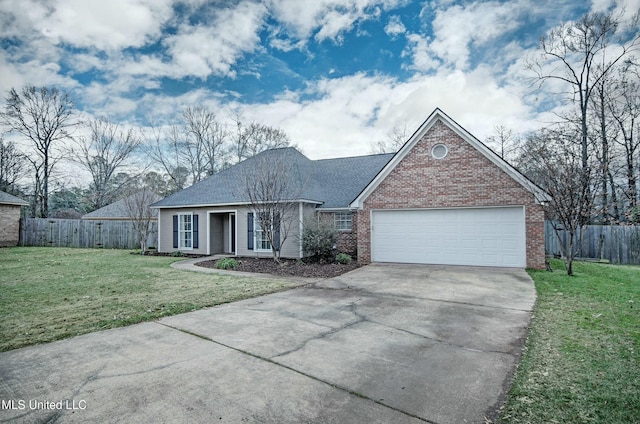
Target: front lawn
[582, 357]
[50, 293]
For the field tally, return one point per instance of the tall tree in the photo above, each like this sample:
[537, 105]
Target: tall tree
[165, 148]
[550, 159]
[504, 140]
[44, 116]
[580, 55]
[13, 165]
[103, 153]
[393, 140]
[624, 106]
[273, 183]
[138, 209]
[603, 134]
[249, 140]
[205, 137]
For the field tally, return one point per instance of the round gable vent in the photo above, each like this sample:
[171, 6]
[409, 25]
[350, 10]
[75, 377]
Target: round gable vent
[439, 151]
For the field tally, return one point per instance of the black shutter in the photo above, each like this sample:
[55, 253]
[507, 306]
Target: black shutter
[250, 231]
[195, 231]
[175, 231]
[276, 223]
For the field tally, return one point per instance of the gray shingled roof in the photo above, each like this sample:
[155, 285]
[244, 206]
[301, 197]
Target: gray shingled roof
[332, 182]
[116, 210]
[10, 199]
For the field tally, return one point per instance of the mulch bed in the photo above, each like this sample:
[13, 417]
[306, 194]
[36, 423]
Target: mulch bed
[288, 267]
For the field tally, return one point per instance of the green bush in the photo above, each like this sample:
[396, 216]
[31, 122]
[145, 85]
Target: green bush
[227, 263]
[634, 214]
[319, 240]
[343, 258]
[177, 254]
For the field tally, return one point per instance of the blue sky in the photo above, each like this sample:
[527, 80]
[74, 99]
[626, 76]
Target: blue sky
[336, 75]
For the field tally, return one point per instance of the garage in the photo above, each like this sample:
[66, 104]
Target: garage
[492, 236]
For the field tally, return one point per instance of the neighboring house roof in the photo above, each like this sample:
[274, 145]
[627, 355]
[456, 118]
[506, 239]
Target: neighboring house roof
[119, 209]
[332, 183]
[10, 199]
[439, 115]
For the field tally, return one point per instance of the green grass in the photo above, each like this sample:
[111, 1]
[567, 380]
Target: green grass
[48, 294]
[582, 357]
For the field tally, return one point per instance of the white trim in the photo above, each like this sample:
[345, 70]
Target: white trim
[256, 224]
[158, 247]
[222, 211]
[433, 151]
[345, 209]
[438, 115]
[181, 232]
[215, 205]
[300, 228]
[343, 230]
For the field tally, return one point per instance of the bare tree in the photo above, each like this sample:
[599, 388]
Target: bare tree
[580, 55]
[13, 165]
[43, 116]
[165, 148]
[505, 141]
[105, 152]
[138, 208]
[603, 135]
[393, 140]
[551, 160]
[273, 184]
[205, 137]
[624, 108]
[249, 140]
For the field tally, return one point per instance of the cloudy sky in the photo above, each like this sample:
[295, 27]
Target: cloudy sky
[336, 75]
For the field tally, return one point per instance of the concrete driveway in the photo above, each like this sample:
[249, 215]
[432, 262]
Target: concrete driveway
[382, 344]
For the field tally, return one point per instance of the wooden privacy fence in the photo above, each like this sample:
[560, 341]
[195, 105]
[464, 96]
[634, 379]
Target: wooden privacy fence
[82, 233]
[619, 244]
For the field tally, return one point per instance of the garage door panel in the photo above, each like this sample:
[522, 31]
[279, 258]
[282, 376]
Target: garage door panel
[483, 236]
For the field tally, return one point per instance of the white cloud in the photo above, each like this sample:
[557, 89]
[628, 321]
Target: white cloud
[213, 49]
[102, 25]
[351, 113]
[456, 29]
[327, 19]
[395, 26]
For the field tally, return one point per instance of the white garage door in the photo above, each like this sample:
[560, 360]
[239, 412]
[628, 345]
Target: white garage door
[482, 236]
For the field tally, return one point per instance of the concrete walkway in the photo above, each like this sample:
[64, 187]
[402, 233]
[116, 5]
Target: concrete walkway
[381, 344]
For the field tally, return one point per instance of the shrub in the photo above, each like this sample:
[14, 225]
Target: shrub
[177, 254]
[319, 239]
[227, 263]
[634, 214]
[343, 258]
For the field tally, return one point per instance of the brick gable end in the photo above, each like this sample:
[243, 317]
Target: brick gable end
[464, 178]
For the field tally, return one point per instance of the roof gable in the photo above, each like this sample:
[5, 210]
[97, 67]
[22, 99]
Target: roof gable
[439, 116]
[10, 199]
[120, 209]
[331, 183]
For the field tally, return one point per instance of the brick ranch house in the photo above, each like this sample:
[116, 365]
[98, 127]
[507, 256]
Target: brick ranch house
[443, 198]
[10, 219]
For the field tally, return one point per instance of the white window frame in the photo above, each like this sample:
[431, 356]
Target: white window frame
[183, 232]
[339, 223]
[258, 236]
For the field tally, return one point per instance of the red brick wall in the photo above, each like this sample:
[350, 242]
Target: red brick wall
[347, 241]
[464, 178]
